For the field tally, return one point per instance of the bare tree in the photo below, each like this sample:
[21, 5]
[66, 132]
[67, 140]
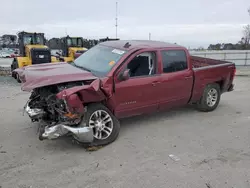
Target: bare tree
[249, 11]
[246, 36]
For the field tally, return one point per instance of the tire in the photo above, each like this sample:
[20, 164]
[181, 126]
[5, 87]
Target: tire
[210, 98]
[12, 73]
[18, 79]
[13, 67]
[91, 113]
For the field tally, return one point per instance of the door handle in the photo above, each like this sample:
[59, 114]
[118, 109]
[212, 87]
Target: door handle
[188, 77]
[155, 83]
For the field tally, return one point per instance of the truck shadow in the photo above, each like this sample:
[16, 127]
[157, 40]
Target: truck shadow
[67, 144]
[154, 118]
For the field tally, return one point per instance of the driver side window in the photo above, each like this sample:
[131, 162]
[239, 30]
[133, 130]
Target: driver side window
[143, 64]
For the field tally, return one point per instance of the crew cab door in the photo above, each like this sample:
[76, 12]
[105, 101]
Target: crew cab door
[139, 93]
[176, 78]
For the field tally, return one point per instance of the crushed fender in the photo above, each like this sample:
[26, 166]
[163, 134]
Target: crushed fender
[87, 93]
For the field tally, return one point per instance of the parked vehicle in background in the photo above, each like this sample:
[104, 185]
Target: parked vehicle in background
[4, 54]
[118, 79]
[32, 50]
[71, 47]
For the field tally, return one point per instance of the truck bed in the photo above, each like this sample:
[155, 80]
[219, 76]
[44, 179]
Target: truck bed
[199, 62]
[207, 71]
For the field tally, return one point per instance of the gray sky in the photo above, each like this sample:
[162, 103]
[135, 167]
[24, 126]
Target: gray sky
[190, 23]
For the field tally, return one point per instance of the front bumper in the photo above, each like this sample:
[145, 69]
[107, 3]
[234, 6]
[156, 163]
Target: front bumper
[81, 134]
[33, 113]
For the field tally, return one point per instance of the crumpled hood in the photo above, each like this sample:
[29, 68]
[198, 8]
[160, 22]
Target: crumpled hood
[36, 76]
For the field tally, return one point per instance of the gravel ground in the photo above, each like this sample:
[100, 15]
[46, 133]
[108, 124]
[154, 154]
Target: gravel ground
[5, 61]
[213, 149]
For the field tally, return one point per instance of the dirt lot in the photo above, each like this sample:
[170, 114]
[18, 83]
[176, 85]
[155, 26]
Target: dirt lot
[213, 148]
[5, 61]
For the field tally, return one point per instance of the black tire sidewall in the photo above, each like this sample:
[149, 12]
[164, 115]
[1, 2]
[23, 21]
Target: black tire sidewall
[203, 106]
[13, 67]
[17, 76]
[116, 124]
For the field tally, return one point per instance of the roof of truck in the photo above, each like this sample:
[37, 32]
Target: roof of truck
[139, 44]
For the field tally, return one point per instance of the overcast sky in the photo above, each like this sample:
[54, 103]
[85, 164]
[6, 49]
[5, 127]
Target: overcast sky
[190, 23]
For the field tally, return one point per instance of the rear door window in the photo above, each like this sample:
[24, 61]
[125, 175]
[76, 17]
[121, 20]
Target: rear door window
[174, 60]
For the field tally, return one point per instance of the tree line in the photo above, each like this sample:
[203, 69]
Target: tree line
[243, 44]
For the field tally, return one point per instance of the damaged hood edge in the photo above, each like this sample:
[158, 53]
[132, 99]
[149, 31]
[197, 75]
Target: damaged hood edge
[30, 85]
[36, 76]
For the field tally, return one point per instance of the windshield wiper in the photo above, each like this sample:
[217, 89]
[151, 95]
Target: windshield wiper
[81, 67]
[84, 68]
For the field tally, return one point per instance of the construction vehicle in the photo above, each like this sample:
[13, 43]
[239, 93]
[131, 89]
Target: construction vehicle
[32, 50]
[72, 47]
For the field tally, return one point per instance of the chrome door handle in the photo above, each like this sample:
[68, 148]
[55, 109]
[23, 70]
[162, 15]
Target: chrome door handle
[155, 83]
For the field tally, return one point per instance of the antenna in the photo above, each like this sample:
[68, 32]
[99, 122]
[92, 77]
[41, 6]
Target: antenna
[116, 19]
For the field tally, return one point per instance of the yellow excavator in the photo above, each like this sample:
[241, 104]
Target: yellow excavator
[32, 51]
[72, 48]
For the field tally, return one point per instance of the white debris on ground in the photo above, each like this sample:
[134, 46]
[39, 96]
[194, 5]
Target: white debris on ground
[174, 158]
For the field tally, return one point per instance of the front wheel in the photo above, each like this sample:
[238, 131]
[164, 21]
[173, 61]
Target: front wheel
[105, 125]
[210, 98]
[13, 67]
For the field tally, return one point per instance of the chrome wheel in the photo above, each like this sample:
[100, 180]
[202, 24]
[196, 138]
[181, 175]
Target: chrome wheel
[212, 97]
[102, 124]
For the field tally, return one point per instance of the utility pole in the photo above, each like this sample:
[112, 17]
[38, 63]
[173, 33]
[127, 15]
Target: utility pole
[116, 19]
[149, 36]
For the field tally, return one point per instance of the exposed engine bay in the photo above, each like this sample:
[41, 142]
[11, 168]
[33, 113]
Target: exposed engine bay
[54, 115]
[45, 99]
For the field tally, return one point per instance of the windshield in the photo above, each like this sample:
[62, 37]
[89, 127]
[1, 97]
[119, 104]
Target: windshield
[74, 42]
[99, 59]
[31, 40]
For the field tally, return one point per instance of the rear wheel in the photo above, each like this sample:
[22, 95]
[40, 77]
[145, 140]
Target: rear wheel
[105, 125]
[210, 98]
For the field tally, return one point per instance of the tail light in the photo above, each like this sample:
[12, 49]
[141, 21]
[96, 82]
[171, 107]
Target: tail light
[234, 73]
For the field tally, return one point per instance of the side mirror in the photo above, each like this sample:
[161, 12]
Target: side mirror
[124, 75]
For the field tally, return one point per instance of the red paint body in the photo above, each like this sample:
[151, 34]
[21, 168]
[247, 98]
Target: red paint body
[151, 93]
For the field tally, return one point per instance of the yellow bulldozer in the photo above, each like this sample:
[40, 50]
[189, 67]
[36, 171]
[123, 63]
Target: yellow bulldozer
[32, 50]
[72, 48]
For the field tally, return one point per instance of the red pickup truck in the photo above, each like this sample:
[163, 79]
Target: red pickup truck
[118, 79]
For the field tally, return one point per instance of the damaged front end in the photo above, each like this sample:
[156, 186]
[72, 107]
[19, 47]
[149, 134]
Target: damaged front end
[60, 109]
